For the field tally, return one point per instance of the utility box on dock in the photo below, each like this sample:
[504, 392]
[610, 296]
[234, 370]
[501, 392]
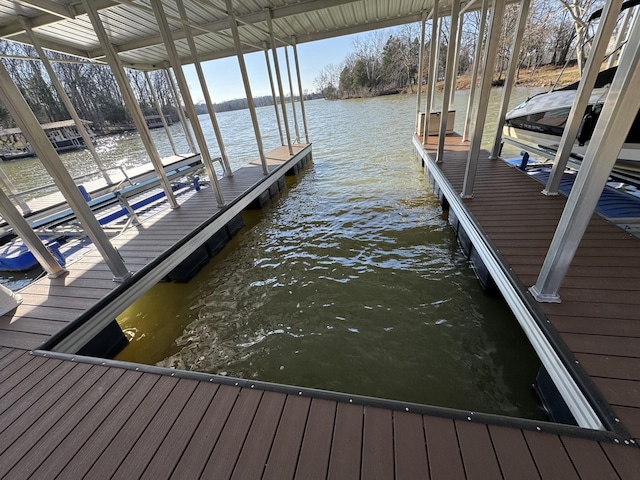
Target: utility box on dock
[434, 122]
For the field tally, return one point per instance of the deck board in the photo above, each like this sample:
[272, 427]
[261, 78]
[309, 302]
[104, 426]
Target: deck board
[512, 453]
[313, 461]
[589, 459]
[40, 442]
[346, 451]
[410, 446]
[168, 454]
[104, 461]
[109, 410]
[445, 461]
[206, 435]
[257, 446]
[550, 457]
[477, 451]
[377, 444]
[225, 454]
[147, 445]
[283, 457]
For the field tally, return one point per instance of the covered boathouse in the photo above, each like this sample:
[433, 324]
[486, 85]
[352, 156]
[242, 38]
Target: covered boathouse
[67, 413]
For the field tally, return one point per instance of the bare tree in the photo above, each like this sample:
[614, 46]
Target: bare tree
[579, 11]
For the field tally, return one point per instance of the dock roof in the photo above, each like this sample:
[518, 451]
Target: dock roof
[63, 25]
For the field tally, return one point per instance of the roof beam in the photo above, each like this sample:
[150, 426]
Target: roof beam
[47, 18]
[310, 37]
[48, 6]
[223, 24]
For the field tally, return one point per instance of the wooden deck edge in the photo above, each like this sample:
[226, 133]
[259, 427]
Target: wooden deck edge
[362, 400]
[95, 319]
[546, 341]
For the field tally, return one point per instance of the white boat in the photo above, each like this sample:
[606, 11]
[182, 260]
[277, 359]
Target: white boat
[541, 119]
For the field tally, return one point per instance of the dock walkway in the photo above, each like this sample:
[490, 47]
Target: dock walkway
[64, 417]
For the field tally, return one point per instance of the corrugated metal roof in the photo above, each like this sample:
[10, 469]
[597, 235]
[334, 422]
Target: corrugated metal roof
[63, 26]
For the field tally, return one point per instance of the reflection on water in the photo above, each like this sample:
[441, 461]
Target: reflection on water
[351, 281]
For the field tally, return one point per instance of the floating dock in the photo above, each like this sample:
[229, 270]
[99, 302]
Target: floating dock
[165, 423]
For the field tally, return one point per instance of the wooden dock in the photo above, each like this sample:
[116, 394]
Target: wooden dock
[72, 417]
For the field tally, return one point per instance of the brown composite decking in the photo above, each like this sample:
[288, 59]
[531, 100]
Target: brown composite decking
[62, 418]
[599, 316]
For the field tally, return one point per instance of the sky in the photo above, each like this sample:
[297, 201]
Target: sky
[225, 83]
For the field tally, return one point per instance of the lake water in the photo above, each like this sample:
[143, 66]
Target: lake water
[351, 281]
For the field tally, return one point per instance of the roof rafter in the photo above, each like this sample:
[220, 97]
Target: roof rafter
[50, 7]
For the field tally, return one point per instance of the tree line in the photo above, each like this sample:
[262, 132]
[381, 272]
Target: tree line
[92, 88]
[382, 62]
[94, 92]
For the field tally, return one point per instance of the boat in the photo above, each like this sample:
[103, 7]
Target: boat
[155, 121]
[64, 137]
[15, 255]
[541, 120]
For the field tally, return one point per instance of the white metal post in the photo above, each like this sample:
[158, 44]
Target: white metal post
[511, 75]
[205, 90]
[448, 75]
[423, 24]
[433, 49]
[28, 123]
[8, 184]
[276, 66]
[88, 141]
[620, 36]
[618, 113]
[304, 115]
[476, 64]
[247, 86]
[21, 227]
[273, 92]
[159, 109]
[178, 102]
[291, 96]
[606, 25]
[172, 53]
[127, 93]
[497, 12]
[456, 59]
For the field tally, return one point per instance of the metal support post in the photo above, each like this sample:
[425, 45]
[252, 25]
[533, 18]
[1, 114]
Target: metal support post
[293, 103]
[21, 227]
[476, 65]
[28, 123]
[606, 25]
[172, 53]
[423, 23]
[620, 36]
[8, 184]
[88, 141]
[159, 109]
[433, 52]
[247, 87]
[183, 117]
[497, 11]
[511, 75]
[130, 100]
[454, 79]
[276, 65]
[618, 113]
[448, 76]
[304, 115]
[273, 92]
[205, 91]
